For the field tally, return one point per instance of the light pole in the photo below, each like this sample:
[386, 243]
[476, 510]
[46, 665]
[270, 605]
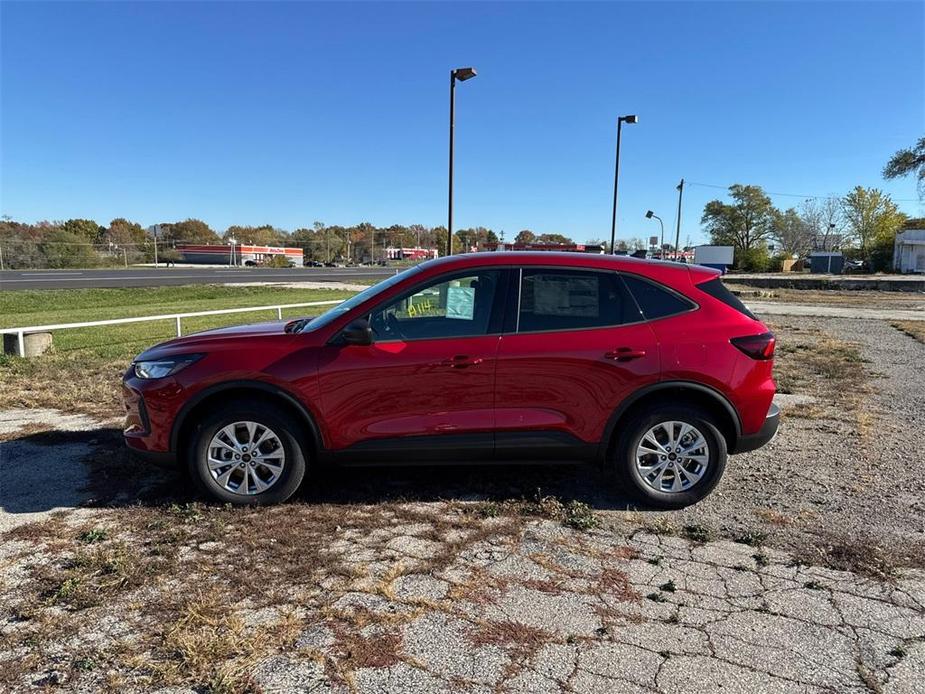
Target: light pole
[616, 179]
[462, 74]
[661, 248]
[677, 233]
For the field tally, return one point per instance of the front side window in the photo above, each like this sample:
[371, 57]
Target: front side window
[572, 300]
[458, 307]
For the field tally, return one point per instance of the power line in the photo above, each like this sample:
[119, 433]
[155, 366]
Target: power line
[790, 195]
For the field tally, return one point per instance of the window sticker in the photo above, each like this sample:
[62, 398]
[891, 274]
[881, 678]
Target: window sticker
[565, 296]
[460, 303]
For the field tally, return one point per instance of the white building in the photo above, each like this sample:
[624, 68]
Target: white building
[909, 251]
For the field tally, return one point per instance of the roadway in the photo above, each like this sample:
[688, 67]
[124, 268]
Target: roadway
[160, 277]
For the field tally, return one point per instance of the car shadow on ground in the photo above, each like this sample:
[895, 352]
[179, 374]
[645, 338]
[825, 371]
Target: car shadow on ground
[55, 469]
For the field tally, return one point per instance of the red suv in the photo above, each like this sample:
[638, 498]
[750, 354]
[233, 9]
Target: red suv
[652, 369]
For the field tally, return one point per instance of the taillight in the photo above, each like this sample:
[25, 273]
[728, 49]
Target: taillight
[756, 346]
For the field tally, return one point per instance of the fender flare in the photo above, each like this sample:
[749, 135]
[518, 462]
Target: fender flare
[268, 388]
[622, 408]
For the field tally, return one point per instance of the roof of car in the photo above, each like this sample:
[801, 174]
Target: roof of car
[564, 258]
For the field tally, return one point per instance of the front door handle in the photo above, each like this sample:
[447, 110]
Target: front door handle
[625, 354]
[461, 361]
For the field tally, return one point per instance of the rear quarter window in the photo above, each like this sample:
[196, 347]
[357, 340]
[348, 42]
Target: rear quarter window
[656, 301]
[718, 290]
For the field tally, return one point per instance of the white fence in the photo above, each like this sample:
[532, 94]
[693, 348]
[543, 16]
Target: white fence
[21, 332]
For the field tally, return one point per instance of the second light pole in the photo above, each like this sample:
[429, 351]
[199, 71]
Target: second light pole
[462, 74]
[616, 179]
[661, 249]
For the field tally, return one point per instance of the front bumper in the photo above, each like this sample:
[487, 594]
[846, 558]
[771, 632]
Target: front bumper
[751, 442]
[148, 415]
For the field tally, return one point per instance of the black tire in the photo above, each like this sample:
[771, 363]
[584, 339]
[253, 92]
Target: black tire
[289, 434]
[630, 435]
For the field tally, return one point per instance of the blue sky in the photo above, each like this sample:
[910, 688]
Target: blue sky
[288, 113]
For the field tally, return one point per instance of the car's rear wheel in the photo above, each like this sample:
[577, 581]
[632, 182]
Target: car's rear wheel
[670, 456]
[243, 455]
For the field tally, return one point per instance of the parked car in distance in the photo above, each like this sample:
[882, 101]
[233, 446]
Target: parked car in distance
[652, 369]
[314, 263]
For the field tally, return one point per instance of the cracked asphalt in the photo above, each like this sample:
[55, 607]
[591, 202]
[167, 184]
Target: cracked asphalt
[556, 609]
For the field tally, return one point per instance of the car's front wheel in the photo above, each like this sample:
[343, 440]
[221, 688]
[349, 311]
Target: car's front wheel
[245, 455]
[670, 457]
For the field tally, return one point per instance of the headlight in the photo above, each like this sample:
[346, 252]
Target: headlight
[164, 367]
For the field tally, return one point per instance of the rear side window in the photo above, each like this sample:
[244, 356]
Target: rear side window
[656, 301]
[718, 290]
[572, 300]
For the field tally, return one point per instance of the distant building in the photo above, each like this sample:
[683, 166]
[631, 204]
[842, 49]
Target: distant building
[239, 254]
[415, 253]
[909, 251]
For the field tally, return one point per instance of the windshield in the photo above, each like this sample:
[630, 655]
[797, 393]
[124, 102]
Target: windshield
[354, 301]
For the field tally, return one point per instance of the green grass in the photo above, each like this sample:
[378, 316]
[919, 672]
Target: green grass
[46, 307]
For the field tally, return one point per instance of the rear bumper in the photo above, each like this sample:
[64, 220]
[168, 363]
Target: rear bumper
[751, 442]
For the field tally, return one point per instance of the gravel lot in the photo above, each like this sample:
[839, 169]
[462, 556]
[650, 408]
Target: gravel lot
[802, 572]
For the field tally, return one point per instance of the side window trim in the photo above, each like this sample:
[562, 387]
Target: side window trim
[693, 305]
[440, 279]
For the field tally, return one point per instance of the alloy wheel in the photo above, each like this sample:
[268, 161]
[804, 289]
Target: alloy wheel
[246, 458]
[672, 457]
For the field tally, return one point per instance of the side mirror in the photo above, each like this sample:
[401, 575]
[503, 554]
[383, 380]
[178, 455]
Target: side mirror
[357, 332]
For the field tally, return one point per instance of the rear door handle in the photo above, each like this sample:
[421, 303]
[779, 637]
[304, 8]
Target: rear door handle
[625, 354]
[461, 361]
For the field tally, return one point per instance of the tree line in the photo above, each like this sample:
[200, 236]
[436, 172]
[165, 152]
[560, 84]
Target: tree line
[85, 243]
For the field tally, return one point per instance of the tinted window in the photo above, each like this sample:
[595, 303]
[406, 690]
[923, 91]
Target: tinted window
[459, 307]
[654, 300]
[718, 290]
[572, 300]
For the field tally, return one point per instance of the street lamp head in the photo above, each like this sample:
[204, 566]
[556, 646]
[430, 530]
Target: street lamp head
[464, 73]
[649, 214]
[630, 119]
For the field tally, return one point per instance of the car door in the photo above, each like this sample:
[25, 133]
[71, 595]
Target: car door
[424, 388]
[576, 348]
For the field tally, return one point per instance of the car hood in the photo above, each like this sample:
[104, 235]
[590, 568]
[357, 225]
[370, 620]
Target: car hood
[208, 338]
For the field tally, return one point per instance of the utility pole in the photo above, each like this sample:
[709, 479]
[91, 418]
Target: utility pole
[677, 235]
[155, 245]
[125, 256]
[1, 258]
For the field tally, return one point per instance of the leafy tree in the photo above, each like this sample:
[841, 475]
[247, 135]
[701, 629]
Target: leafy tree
[908, 161]
[188, 231]
[873, 220]
[746, 223]
[86, 229]
[554, 238]
[791, 232]
[825, 222]
[603, 243]
[914, 223]
[122, 233]
[525, 236]
[474, 238]
[62, 248]
[265, 235]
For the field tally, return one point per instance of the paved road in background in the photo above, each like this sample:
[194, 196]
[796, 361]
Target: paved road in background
[150, 277]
